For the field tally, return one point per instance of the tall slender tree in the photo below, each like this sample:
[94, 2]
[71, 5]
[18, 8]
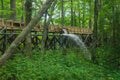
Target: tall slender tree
[2, 8]
[46, 26]
[90, 13]
[72, 14]
[13, 9]
[28, 14]
[83, 17]
[79, 13]
[62, 12]
[45, 33]
[22, 8]
[95, 29]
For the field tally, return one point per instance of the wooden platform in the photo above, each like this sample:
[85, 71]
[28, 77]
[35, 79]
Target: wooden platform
[17, 25]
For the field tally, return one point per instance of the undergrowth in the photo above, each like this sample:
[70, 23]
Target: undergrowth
[54, 66]
[108, 56]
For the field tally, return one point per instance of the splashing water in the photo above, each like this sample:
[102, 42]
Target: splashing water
[65, 31]
[79, 42]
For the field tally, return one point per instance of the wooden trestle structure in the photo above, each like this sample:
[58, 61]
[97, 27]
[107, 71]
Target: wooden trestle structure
[9, 29]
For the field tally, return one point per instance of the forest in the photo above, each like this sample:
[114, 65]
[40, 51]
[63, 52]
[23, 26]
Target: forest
[59, 40]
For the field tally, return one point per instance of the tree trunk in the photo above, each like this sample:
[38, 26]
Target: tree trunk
[90, 17]
[22, 8]
[95, 31]
[45, 34]
[79, 14]
[72, 14]
[62, 12]
[83, 17]
[46, 26]
[113, 27]
[13, 9]
[28, 14]
[25, 32]
[2, 8]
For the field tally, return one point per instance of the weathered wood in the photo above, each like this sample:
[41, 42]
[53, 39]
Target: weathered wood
[53, 29]
[17, 25]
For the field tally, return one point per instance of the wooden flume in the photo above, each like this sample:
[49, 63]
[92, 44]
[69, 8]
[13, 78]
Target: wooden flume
[17, 25]
[9, 29]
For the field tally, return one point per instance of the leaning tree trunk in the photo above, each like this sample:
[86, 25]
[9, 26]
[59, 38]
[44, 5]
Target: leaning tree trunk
[25, 32]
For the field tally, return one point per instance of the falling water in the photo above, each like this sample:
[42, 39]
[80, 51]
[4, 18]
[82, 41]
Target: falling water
[79, 42]
[65, 31]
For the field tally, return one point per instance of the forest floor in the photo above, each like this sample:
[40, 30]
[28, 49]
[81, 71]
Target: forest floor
[55, 66]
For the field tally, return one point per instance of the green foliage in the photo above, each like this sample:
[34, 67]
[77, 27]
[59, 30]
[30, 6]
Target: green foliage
[108, 56]
[54, 66]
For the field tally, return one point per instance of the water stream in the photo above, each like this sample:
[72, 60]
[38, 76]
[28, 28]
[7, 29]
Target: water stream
[79, 42]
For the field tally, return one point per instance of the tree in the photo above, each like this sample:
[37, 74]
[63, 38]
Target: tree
[45, 33]
[2, 8]
[95, 29]
[90, 13]
[28, 14]
[79, 14]
[83, 17]
[22, 7]
[62, 12]
[46, 26]
[72, 14]
[24, 33]
[13, 9]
